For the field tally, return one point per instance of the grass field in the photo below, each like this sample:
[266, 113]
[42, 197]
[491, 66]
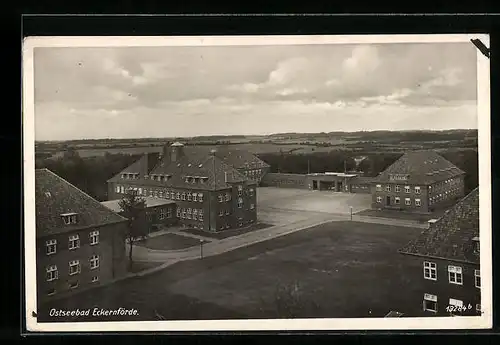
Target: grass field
[349, 269]
[168, 242]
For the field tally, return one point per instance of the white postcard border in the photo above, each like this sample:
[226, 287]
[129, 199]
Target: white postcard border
[423, 323]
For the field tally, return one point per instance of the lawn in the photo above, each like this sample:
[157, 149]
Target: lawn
[169, 242]
[345, 269]
[228, 233]
[142, 266]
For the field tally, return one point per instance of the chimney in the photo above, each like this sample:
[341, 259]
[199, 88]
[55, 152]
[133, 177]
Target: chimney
[176, 152]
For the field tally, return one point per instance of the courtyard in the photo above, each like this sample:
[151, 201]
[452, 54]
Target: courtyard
[340, 269]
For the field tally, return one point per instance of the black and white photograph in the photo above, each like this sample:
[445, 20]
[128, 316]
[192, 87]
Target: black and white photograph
[240, 183]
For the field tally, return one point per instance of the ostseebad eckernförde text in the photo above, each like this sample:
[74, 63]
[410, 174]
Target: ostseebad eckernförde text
[97, 312]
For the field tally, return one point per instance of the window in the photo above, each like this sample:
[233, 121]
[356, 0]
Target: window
[397, 200]
[477, 278]
[74, 242]
[227, 212]
[379, 187]
[52, 273]
[172, 195]
[221, 213]
[189, 213]
[156, 193]
[252, 206]
[151, 193]
[195, 197]
[397, 188]
[162, 214]
[430, 270]
[117, 189]
[418, 202]
[417, 190]
[228, 196]
[183, 196]
[240, 190]
[220, 197]
[95, 279]
[251, 191]
[69, 218]
[178, 196]
[74, 267]
[94, 262]
[430, 303]
[407, 201]
[478, 308]
[200, 215]
[189, 196]
[169, 212]
[178, 212]
[200, 197]
[407, 189]
[51, 246]
[160, 194]
[122, 189]
[455, 303]
[455, 275]
[388, 188]
[379, 199]
[240, 202]
[183, 213]
[195, 214]
[94, 237]
[51, 292]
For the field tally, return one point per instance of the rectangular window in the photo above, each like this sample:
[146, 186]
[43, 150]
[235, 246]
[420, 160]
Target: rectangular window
[172, 195]
[240, 202]
[178, 212]
[227, 212]
[160, 194]
[200, 215]
[94, 237]
[73, 285]
[189, 213]
[252, 206]
[52, 273]
[407, 201]
[388, 188]
[407, 189]
[455, 275]
[397, 200]
[397, 189]
[74, 242]
[379, 199]
[195, 197]
[200, 197]
[94, 262]
[178, 196]
[228, 196]
[220, 197]
[251, 191]
[183, 196]
[169, 212]
[478, 308]
[477, 278]
[74, 267]
[95, 279]
[379, 187]
[151, 193]
[189, 196]
[430, 270]
[430, 303]
[51, 246]
[122, 189]
[69, 218]
[51, 292]
[162, 214]
[456, 302]
[417, 190]
[418, 202]
[117, 189]
[221, 213]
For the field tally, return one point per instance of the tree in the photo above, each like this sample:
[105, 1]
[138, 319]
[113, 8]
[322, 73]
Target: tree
[134, 209]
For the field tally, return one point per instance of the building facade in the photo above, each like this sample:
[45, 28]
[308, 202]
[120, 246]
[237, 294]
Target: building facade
[209, 193]
[446, 258]
[420, 181]
[79, 242]
[159, 212]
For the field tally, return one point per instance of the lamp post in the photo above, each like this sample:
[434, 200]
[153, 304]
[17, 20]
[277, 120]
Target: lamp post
[350, 207]
[201, 248]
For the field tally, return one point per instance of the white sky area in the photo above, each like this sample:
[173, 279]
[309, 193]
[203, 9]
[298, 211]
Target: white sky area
[138, 92]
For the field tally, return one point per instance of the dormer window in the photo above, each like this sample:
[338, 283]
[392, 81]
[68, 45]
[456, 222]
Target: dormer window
[69, 218]
[193, 179]
[130, 176]
[48, 195]
[475, 240]
[124, 176]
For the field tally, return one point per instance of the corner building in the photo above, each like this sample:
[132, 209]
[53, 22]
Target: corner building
[79, 242]
[419, 182]
[209, 193]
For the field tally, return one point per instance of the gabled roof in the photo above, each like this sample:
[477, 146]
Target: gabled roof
[218, 173]
[114, 205]
[142, 166]
[423, 167]
[55, 196]
[453, 236]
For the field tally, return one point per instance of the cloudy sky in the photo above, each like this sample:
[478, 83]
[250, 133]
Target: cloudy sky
[187, 91]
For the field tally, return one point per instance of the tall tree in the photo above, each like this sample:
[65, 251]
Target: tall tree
[134, 209]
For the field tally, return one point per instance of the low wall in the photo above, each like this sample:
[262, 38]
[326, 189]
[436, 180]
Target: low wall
[285, 180]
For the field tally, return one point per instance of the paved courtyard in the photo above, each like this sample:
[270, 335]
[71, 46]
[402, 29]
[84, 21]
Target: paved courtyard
[269, 198]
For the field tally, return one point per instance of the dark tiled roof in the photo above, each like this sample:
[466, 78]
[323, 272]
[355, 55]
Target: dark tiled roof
[451, 237]
[424, 167]
[198, 162]
[55, 196]
[142, 166]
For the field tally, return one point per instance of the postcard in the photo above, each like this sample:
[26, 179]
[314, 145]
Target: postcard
[252, 183]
